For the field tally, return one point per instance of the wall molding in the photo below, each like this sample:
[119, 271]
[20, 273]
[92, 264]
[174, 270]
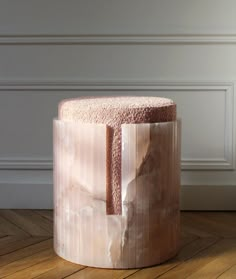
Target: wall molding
[26, 195]
[26, 164]
[36, 86]
[208, 197]
[119, 85]
[63, 39]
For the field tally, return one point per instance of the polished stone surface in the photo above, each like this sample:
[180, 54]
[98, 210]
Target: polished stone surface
[147, 231]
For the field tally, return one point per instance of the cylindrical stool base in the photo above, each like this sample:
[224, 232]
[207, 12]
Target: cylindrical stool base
[147, 231]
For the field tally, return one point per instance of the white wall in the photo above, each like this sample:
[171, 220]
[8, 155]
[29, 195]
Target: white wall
[183, 49]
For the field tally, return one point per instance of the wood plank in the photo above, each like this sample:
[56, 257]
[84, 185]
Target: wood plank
[25, 262]
[45, 213]
[229, 273]
[9, 228]
[34, 270]
[186, 240]
[99, 273]
[190, 226]
[214, 223]
[224, 222]
[25, 252]
[2, 236]
[185, 253]
[14, 243]
[188, 268]
[44, 268]
[29, 221]
[185, 230]
[7, 239]
[62, 269]
[221, 263]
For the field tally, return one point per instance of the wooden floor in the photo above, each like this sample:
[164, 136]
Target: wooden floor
[26, 249]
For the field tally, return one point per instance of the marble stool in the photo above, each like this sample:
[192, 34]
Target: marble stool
[116, 181]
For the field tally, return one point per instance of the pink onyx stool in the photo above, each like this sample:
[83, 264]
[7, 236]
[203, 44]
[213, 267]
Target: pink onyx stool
[116, 181]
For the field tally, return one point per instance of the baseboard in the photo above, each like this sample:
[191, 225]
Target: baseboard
[40, 196]
[26, 195]
[208, 197]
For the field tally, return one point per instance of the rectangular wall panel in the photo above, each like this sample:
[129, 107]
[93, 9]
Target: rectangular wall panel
[118, 62]
[130, 17]
[206, 111]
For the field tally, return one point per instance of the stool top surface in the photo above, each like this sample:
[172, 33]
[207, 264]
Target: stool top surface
[117, 110]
